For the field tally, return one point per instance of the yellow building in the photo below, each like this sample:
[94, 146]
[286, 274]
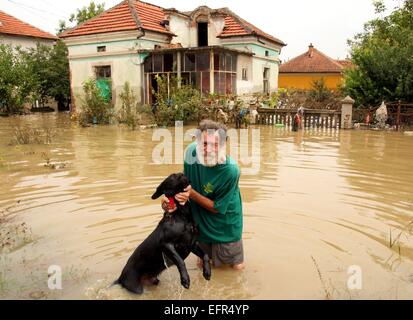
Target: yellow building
[302, 71]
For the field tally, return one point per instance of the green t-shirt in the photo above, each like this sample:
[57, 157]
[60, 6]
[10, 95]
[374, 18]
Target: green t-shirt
[221, 185]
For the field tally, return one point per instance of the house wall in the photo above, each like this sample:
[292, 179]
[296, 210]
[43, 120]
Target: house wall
[257, 63]
[180, 27]
[24, 42]
[304, 81]
[126, 64]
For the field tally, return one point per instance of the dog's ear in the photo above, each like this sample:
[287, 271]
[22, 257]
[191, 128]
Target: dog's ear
[159, 191]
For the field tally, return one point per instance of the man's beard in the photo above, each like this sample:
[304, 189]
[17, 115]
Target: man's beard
[212, 159]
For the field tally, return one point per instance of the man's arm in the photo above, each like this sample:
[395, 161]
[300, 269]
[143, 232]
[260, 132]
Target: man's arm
[204, 202]
[183, 198]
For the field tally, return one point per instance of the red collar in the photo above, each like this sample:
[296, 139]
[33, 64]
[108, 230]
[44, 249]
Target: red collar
[172, 204]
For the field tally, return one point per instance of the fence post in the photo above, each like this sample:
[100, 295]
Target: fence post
[347, 113]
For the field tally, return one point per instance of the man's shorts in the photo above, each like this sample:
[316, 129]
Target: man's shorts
[225, 253]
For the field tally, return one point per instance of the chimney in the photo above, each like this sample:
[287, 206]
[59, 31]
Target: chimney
[311, 50]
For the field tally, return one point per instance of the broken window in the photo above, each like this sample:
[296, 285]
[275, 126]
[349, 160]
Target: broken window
[202, 34]
[169, 62]
[216, 61]
[189, 62]
[202, 61]
[157, 63]
[205, 82]
[148, 64]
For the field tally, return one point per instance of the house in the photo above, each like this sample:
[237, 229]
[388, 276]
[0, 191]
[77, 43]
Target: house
[213, 49]
[18, 33]
[302, 71]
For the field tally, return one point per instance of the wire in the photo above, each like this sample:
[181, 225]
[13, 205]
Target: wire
[36, 9]
[55, 7]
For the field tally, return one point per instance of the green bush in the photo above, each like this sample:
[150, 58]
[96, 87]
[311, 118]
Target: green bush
[95, 108]
[128, 114]
[319, 91]
[16, 80]
[176, 103]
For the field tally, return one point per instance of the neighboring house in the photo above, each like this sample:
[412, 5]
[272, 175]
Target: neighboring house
[212, 49]
[302, 71]
[18, 33]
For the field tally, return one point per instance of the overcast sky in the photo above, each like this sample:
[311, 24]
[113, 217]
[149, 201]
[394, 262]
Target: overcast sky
[328, 24]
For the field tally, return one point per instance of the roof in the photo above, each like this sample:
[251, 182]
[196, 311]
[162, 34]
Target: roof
[314, 61]
[236, 26]
[146, 16]
[122, 17]
[13, 26]
[194, 49]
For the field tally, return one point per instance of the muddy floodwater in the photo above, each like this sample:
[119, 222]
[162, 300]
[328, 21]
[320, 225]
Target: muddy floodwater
[328, 215]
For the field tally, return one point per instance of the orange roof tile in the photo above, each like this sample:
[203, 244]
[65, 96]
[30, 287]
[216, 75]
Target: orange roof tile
[122, 18]
[236, 26]
[313, 61]
[149, 17]
[13, 26]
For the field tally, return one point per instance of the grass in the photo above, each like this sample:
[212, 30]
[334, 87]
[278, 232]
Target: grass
[407, 230]
[327, 293]
[26, 136]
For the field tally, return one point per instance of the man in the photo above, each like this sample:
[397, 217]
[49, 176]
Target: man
[214, 196]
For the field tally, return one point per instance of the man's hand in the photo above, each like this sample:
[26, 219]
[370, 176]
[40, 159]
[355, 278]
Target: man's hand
[181, 198]
[166, 207]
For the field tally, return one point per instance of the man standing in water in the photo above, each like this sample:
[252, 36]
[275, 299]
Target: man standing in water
[214, 196]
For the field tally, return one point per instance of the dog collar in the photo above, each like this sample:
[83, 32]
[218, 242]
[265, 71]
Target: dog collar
[171, 203]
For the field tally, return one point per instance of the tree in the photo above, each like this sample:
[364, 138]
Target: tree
[49, 66]
[16, 80]
[82, 15]
[382, 56]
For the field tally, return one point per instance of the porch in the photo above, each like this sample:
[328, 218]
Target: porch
[212, 70]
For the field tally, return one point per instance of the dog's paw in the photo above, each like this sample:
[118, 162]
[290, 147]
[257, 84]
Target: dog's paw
[207, 275]
[186, 282]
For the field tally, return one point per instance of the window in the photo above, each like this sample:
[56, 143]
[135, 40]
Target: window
[267, 53]
[148, 64]
[245, 74]
[102, 49]
[103, 72]
[189, 62]
[104, 81]
[228, 63]
[266, 80]
[169, 62]
[202, 34]
[202, 61]
[157, 63]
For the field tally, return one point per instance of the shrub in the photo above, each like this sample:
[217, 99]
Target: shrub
[319, 91]
[175, 103]
[95, 108]
[128, 114]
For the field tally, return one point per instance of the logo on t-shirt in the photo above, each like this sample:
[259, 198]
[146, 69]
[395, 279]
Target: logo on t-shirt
[208, 188]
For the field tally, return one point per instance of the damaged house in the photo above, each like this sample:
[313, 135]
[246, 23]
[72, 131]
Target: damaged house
[214, 50]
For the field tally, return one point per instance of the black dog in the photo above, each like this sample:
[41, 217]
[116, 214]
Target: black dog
[170, 244]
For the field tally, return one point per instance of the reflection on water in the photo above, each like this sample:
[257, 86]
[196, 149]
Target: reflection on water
[342, 198]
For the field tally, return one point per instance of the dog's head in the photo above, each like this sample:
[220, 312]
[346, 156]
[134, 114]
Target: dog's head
[174, 184]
